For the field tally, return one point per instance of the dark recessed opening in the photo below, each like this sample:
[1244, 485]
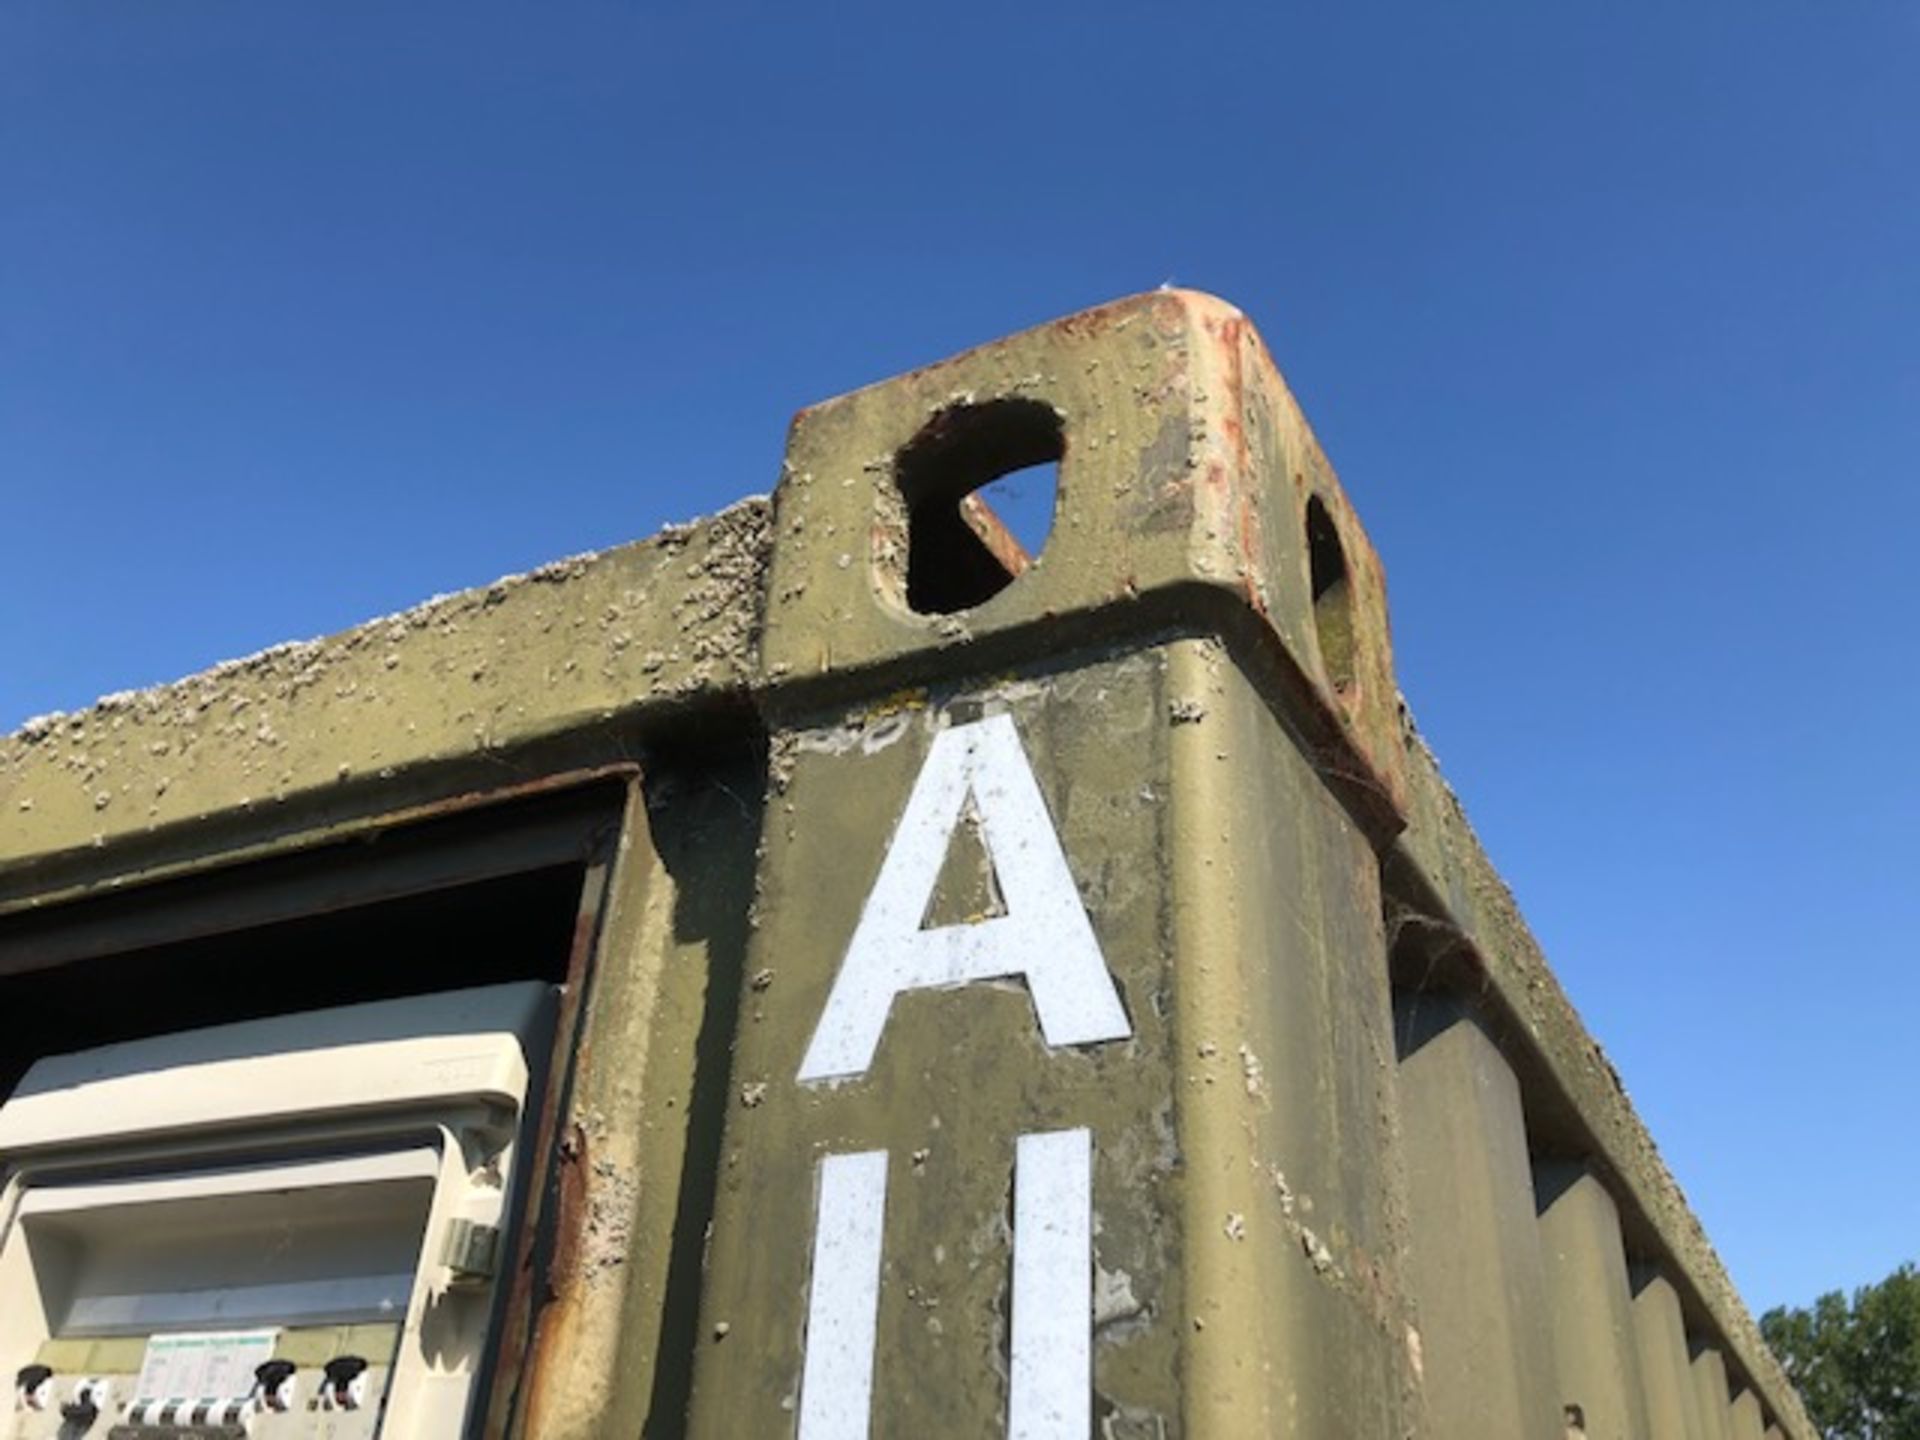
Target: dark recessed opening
[518, 927]
[1332, 596]
[961, 549]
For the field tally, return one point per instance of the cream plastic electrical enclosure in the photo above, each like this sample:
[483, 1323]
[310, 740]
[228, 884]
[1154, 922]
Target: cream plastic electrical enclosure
[285, 1227]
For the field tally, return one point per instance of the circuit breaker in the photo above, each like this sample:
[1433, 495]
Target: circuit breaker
[284, 1228]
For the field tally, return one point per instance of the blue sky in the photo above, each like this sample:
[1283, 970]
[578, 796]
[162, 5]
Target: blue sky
[1608, 316]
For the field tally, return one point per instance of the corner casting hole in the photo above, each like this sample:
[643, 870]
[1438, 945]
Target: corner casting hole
[1332, 596]
[980, 482]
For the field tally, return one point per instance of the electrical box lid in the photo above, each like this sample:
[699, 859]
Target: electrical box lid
[436, 1049]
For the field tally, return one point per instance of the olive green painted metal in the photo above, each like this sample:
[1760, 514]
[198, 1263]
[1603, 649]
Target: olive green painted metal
[1245, 1250]
[600, 1352]
[1596, 1354]
[1129, 1147]
[1661, 1330]
[1477, 1270]
[1710, 1393]
[445, 698]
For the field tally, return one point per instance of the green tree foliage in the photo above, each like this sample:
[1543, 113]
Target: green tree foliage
[1857, 1364]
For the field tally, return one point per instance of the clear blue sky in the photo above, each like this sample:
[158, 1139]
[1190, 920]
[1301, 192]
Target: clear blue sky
[1608, 315]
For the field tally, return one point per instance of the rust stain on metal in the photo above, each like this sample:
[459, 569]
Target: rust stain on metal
[571, 1206]
[464, 801]
[1230, 334]
[1252, 550]
[1088, 323]
[557, 1318]
[537, 1326]
[991, 531]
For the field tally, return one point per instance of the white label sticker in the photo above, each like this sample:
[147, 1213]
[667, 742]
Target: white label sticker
[202, 1365]
[1044, 936]
[836, 1386]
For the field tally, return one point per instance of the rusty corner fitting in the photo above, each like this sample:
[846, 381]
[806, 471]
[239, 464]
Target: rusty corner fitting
[1188, 477]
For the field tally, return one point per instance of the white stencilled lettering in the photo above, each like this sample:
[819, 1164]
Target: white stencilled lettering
[1051, 1364]
[836, 1383]
[1051, 1368]
[1044, 936]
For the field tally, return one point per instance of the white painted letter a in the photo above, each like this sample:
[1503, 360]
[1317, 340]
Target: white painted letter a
[1044, 937]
